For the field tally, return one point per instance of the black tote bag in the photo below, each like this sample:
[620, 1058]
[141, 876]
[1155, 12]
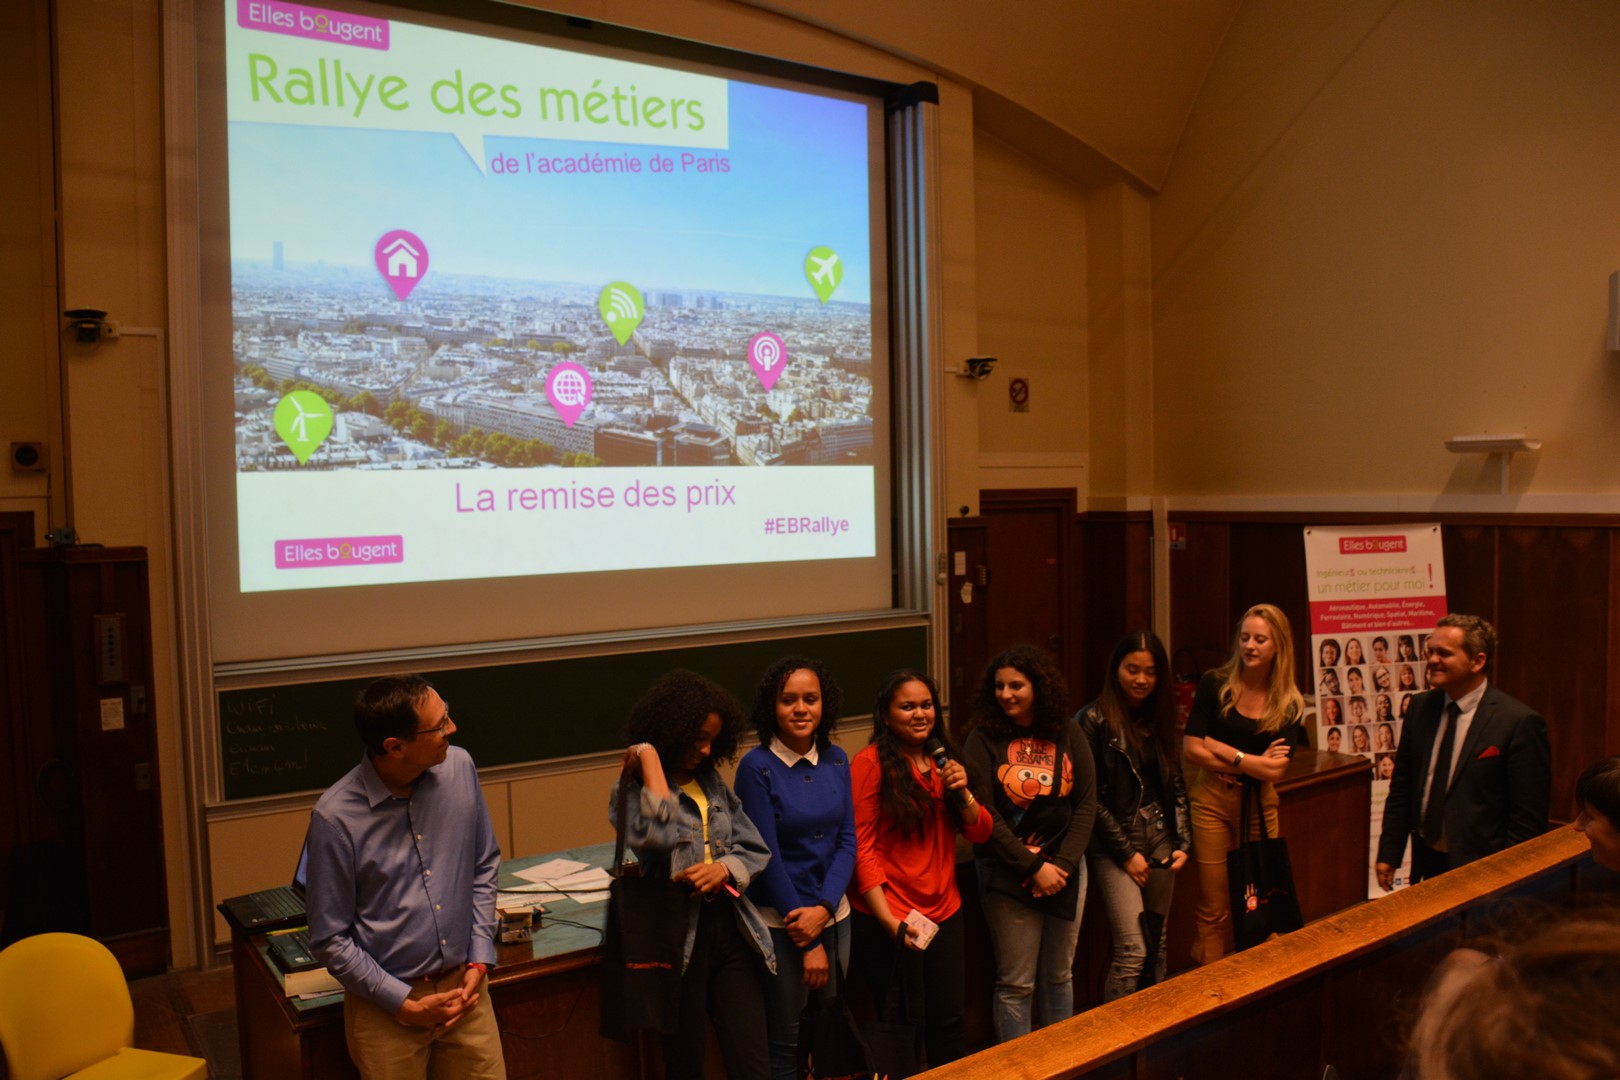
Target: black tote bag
[643, 945]
[1260, 881]
[829, 1039]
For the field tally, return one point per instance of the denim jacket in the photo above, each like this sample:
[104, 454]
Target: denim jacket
[667, 837]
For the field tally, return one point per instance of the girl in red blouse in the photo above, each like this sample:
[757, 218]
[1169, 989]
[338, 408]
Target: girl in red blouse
[905, 861]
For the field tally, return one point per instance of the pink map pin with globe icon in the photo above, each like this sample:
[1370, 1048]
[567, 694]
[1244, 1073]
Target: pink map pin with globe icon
[402, 260]
[568, 388]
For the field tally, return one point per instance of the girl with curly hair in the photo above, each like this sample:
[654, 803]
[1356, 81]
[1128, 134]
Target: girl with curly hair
[795, 786]
[684, 823]
[1245, 717]
[1029, 760]
[905, 841]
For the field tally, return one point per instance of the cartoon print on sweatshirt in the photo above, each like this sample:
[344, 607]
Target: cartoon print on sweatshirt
[1032, 765]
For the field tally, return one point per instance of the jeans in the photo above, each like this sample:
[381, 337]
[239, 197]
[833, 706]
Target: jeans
[1125, 902]
[721, 983]
[1217, 802]
[1029, 945]
[933, 986]
[786, 995]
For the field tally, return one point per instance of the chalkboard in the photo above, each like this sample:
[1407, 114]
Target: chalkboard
[276, 740]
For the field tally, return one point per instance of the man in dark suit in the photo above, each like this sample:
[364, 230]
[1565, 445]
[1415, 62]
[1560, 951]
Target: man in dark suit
[1473, 774]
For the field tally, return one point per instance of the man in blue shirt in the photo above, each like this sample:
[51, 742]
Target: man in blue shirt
[402, 872]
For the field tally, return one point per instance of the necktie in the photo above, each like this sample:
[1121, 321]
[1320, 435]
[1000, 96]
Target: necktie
[1434, 814]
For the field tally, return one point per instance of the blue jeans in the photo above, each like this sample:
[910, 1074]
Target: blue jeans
[786, 995]
[1030, 945]
[1125, 902]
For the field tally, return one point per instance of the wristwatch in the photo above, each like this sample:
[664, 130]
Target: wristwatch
[1237, 761]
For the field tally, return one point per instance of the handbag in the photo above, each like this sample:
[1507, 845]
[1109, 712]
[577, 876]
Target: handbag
[891, 1039]
[643, 945]
[1260, 881]
[829, 1040]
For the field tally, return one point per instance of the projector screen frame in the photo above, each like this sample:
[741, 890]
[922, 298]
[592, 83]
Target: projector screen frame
[234, 661]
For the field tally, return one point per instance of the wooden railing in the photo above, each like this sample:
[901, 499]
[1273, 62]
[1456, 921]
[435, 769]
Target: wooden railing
[1341, 991]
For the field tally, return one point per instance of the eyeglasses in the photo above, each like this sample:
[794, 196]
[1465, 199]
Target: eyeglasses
[439, 730]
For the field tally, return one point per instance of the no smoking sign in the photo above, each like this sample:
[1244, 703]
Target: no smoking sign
[1018, 395]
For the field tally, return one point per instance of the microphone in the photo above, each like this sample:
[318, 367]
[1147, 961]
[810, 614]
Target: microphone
[935, 749]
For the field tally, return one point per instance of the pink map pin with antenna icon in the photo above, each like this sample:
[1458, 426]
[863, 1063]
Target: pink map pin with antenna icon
[767, 355]
[402, 260]
[568, 388]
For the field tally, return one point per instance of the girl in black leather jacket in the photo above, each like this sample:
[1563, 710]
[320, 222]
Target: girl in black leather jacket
[1142, 834]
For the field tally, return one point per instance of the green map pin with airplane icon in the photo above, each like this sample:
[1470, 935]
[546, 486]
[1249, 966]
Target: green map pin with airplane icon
[825, 270]
[303, 420]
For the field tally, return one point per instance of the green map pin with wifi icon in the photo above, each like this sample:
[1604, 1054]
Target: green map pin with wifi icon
[825, 270]
[303, 420]
[622, 309]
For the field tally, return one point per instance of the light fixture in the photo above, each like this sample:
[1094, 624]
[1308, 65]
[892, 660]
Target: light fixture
[1505, 445]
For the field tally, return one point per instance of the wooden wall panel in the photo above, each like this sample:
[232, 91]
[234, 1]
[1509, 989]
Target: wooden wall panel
[968, 632]
[1200, 592]
[1028, 549]
[1085, 589]
[1117, 570]
[1268, 567]
[1611, 718]
[1470, 553]
[1554, 628]
[17, 811]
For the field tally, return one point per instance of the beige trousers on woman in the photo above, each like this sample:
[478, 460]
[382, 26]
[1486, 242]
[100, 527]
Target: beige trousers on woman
[1217, 806]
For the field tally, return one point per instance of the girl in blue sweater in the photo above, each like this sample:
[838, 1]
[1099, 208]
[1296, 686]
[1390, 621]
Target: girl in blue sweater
[795, 787]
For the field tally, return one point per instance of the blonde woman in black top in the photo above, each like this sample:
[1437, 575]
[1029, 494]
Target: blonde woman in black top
[1245, 717]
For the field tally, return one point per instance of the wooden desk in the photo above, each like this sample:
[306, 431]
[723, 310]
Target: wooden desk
[544, 992]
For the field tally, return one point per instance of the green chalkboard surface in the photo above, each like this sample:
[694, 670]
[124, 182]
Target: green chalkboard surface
[275, 740]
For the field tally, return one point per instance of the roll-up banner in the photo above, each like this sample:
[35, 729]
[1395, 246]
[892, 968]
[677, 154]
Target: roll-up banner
[1376, 594]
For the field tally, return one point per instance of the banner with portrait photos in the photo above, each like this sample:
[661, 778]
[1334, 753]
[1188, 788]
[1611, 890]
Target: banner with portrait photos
[1376, 594]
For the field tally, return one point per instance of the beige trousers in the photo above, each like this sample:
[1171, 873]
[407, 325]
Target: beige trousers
[385, 1049]
[1217, 806]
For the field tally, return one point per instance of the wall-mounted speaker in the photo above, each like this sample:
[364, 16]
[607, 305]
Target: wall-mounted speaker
[28, 457]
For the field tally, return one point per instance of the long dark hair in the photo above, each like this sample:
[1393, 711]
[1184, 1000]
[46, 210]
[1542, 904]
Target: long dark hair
[770, 686]
[1051, 694]
[1157, 714]
[906, 804]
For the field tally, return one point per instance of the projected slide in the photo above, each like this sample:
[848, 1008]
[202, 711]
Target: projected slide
[502, 309]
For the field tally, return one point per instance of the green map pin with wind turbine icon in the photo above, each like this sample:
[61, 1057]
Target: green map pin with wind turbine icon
[303, 420]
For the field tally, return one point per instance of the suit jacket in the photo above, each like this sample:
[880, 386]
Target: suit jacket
[1500, 790]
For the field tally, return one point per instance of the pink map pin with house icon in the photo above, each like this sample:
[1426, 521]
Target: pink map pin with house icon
[402, 260]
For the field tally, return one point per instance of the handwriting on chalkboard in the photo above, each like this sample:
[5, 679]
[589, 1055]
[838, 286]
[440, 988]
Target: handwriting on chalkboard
[258, 742]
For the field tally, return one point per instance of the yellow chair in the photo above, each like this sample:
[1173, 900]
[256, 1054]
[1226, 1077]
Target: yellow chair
[65, 1012]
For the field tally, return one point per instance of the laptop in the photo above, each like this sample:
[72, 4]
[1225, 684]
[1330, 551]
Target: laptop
[272, 909]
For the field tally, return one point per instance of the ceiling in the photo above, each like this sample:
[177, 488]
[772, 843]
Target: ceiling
[1091, 86]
